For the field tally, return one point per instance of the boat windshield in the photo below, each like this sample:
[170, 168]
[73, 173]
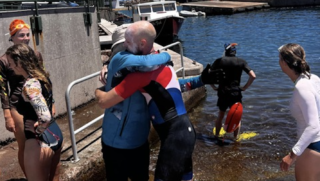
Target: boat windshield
[170, 7]
[157, 8]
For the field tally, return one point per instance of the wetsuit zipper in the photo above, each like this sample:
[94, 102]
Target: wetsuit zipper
[123, 124]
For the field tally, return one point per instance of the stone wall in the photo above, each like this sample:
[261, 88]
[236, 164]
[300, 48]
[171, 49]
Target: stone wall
[71, 50]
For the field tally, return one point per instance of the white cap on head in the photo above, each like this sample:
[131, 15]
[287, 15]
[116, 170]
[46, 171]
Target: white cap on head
[118, 34]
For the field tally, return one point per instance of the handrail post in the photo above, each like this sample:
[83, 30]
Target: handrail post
[182, 64]
[181, 55]
[71, 127]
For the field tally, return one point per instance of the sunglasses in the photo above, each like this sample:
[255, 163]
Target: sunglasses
[20, 26]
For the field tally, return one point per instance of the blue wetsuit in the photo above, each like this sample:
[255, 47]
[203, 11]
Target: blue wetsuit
[126, 125]
[185, 84]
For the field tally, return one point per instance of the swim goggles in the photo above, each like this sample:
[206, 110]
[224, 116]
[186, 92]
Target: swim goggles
[19, 27]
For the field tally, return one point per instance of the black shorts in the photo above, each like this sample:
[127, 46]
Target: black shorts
[315, 146]
[226, 98]
[177, 144]
[121, 164]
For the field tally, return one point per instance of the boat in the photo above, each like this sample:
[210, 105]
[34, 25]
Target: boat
[192, 13]
[163, 15]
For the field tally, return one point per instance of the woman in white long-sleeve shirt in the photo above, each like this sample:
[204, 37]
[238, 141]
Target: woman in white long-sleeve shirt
[305, 108]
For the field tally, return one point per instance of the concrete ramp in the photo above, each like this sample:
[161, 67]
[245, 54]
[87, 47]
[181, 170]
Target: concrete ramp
[108, 28]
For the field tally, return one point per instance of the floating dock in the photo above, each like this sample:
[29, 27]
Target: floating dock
[223, 7]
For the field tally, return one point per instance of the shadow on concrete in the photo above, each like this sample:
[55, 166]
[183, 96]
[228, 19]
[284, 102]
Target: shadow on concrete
[79, 141]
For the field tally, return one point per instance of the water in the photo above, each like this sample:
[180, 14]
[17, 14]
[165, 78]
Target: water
[259, 34]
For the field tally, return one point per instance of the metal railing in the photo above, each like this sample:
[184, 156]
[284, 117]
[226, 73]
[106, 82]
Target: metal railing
[69, 111]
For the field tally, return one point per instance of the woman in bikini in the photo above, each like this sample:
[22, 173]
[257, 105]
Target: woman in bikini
[43, 136]
[305, 108]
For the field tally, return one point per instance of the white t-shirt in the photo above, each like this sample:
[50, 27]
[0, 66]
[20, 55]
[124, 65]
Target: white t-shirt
[305, 108]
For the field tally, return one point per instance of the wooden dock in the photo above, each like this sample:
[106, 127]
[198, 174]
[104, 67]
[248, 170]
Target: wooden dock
[223, 7]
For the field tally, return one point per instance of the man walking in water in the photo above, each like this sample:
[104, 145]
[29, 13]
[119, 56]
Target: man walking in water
[229, 90]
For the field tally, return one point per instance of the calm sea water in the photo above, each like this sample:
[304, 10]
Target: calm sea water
[259, 34]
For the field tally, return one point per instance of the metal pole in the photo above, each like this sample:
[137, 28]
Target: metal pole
[71, 127]
[181, 55]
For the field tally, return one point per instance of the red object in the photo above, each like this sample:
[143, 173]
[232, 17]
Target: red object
[233, 117]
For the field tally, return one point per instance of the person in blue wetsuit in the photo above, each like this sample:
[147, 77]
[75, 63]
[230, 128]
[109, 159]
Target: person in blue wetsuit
[126, 125]
[171, 165]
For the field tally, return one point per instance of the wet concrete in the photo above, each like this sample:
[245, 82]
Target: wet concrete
[90, 165]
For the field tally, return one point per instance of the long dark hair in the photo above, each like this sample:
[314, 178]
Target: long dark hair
[25, 56]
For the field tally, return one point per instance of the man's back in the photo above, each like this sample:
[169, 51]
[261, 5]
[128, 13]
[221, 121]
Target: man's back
[233, 67]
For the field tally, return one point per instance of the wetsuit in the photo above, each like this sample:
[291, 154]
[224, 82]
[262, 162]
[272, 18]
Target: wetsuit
[169, 117]
[229, 91]
[126, 125]
[35, 103]
[9, 78]
[305, 108]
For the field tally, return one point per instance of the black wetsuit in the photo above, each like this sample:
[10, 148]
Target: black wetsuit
[52, 136]
[229, 91]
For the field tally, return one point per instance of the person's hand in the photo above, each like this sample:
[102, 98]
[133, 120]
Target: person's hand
[30, 126]
[10, 126]
[102, 76]
[53, 110]
[287, 161]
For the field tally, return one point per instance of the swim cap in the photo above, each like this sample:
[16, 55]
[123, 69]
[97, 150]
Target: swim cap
[17, 25]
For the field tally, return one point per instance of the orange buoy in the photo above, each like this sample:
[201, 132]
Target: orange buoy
[233, 117]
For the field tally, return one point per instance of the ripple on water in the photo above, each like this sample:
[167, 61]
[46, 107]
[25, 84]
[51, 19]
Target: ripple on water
[259, 34]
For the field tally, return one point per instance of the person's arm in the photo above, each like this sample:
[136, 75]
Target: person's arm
[125, 89]
[41, 62]
[190, 83]
[4, 95]
[143, 62]
[308, 106]
[107, 99]
[251, 78]
[31, 92]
